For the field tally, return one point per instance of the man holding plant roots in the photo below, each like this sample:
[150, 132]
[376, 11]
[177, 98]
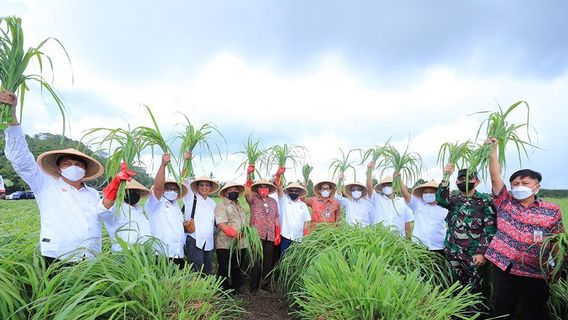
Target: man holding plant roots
[523, 220]
[70, 222]
[471, 226]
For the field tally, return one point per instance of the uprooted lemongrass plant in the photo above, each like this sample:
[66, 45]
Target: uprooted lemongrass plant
[253, 249]
[497, 126]
[455, 153]
[124, 147]
[254, 153]
[408, 164]
[306, 171]
[153, 138]
[339, 166]
[283, 155]
[14, 62]
[191, 138]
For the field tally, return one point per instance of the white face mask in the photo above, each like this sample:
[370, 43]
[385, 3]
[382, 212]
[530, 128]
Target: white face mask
[325, 193]
[356, 194]
[522, 192]
[73, 173]
[170, 195]
[387, 190]
[429, 197]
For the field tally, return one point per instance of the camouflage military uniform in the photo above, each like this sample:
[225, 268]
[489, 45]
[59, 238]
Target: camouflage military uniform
[471, 226]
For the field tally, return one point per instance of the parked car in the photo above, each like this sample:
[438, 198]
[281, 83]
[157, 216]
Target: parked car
[20, 195]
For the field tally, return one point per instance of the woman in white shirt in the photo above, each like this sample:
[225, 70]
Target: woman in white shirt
[164, 213]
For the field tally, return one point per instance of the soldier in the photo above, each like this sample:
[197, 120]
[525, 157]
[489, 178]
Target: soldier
[471, 225]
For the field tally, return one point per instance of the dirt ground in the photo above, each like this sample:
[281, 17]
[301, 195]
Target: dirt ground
[265, 305]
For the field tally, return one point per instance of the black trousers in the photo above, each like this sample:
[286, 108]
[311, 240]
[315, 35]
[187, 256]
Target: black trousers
[233, 279]
[259, 273]
[511, 291]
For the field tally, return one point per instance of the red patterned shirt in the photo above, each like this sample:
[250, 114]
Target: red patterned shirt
[323, 209]
[263, 214]
[517, 229]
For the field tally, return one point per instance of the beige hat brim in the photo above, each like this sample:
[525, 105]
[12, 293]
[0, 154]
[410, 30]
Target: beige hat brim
[347, 188]
[231, 184]
[215, 186]
[183, 188]
[418, 191]
[317, 186]
[256, 185]
[135, 185]
[295, 185]
[379, 186]
[47, 161]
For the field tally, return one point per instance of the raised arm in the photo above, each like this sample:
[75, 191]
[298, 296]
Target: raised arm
[161, 177]
[370, 168]
[443, 192]
[494, 168]
[407, 196]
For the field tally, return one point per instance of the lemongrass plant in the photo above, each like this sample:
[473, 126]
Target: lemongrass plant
[408, 164]
[497, 126]
[14, 62]
[253, 248]
[193, 137]
[306, 171]
[283, 155]
[254, 154]
[456, 153]
[339, 166]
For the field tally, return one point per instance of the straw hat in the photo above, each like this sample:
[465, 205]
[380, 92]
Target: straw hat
[135, 185]
[295, 185]
[48, 163]
[318, 185]
[418, 191]
[379, 186]
[229, 184]
[348, 186]
[215, 186]
[256, 185]
[183, 187]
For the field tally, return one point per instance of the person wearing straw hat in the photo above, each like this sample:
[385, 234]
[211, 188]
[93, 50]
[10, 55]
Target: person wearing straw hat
[358, 209]
[70, 224]
[294, 215]
[325, 209]
[429, 218]
[130, 225]
[199, 222]
[165, 216]
[263, 217]
[390, 209]
[230, 217]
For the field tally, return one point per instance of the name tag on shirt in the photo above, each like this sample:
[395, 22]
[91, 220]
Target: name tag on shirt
[537, 236]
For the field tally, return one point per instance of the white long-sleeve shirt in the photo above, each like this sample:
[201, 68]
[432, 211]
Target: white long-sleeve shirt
[429, 223]
[69, 220]
[392, 212]
[204, 219]
[357, 212]
[130, 224]
[166, 224]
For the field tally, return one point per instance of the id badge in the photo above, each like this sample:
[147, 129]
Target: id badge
[537, 236]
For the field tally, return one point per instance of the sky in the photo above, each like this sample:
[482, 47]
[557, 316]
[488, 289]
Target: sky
[321, 74]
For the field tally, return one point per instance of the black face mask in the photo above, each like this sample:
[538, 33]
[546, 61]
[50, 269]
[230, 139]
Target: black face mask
[293, 196]
[233, 195]
[131, 197]
[463, 187]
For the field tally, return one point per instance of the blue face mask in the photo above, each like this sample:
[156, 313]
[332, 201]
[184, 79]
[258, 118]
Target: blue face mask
[293, 196]
[521, 192]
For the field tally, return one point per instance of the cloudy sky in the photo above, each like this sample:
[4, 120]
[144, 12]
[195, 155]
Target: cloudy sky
[321, 74]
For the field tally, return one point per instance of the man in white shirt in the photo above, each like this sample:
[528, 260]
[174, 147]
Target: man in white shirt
[129, 225]
[429, 218]
[70, 225]
[390, 209]
[200, 208]
[358, 209]
[164, 213]
[294, 215]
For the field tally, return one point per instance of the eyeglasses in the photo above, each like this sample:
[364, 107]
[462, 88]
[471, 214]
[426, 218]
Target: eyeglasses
[325, 188]
[356, 189]
[204, 184]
